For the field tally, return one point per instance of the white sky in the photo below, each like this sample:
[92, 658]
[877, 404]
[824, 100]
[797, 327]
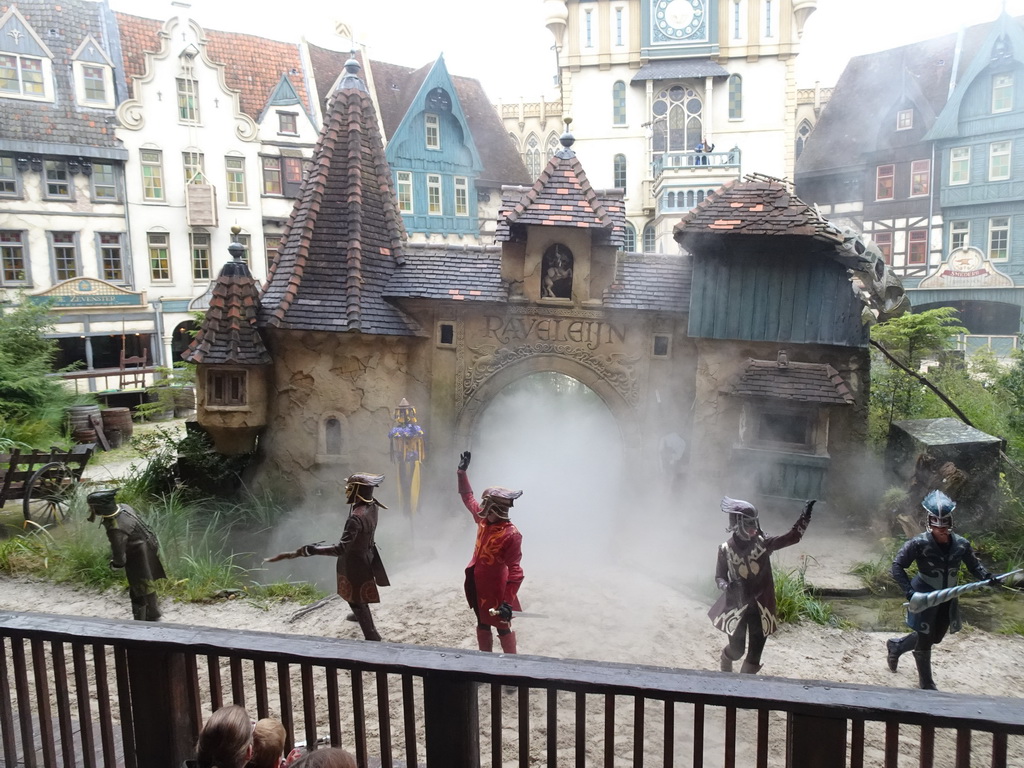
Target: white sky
[505, 44]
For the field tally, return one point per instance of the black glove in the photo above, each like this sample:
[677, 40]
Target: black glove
[504, 610]
[464, 461]
[808, 506]
[910, 594]
[993, 580]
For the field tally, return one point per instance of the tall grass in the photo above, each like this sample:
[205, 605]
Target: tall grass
[794, 601]
[198, 547]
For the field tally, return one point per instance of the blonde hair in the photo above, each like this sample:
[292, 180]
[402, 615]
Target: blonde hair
[225, 739]
[268, 737]
[333, 757]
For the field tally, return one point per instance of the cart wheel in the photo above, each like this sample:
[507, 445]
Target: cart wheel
[48, 493]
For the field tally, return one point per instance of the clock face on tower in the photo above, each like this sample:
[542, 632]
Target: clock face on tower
[679, 19]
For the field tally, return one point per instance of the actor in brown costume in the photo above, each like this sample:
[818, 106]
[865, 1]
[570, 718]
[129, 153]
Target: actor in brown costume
[493, 576]
[744, 574]
[134, 547]
[360, 570]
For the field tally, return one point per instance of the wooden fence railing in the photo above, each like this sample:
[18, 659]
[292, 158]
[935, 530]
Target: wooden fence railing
[94, 692]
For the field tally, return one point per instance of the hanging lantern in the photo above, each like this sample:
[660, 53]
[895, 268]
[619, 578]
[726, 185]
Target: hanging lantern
[408, 452]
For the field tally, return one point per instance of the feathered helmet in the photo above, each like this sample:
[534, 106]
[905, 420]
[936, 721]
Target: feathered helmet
[939, 508]
[742, 517]
[498, 500]
[359, 487]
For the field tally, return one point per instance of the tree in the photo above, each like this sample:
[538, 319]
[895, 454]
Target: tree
[910, 339]
[32, 402]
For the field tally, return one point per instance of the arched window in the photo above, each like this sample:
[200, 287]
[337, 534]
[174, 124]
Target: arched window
[670, 200]
[553, 145]
[619, 172]
[332, 437]
[650, 238]
[515, 141]
[629, 238]
[689, 198]
[619, 103]
[735, 97]
[700, 196]
[677, 122]
[533, 160]
[802, 132]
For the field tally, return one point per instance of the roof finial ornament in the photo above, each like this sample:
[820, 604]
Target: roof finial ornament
[236, 249]
[566, 140]
[350, 78]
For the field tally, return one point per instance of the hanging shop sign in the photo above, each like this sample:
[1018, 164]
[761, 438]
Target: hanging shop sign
[88, 292]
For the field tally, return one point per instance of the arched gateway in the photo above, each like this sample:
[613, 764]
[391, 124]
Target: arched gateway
[752, 351]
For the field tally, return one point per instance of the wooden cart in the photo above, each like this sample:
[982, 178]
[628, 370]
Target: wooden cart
[44, 481]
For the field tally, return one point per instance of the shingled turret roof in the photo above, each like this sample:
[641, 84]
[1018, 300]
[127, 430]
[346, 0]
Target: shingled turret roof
[344, 238]
[229, 333]
[758, 205]
[561, 197]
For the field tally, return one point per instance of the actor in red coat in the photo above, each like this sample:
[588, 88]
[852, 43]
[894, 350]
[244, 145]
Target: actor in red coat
[493, 575]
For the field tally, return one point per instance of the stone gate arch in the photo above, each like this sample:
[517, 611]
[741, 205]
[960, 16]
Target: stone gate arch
[626, 416]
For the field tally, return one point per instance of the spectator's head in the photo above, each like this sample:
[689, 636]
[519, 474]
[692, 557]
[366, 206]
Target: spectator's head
[268, 737]
[326, 758]
[226, 739]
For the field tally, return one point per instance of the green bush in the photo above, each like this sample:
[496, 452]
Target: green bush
[794, 601]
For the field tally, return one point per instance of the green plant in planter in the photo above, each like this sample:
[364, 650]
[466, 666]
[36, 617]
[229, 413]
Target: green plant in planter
[202, 469]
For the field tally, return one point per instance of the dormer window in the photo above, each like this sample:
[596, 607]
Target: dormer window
[1002, 92]
[288, 123]
[904, 120]
[556, 273]
[26, 66]
[433, 130]
[94, 75]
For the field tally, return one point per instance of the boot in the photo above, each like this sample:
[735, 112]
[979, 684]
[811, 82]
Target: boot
[750, 669]
[484, 639]
[508, 642]
[724, 662]
[139, 608]
[365, 619]
[923, 657]
[152, 609]
[892, 654]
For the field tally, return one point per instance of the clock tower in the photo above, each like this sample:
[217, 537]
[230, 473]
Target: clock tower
[673, 21]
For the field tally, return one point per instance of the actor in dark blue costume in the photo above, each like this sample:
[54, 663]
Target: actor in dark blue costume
[939, 553]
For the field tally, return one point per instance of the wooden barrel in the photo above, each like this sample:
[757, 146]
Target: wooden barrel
[79, 418]
[119, 419]
[84, 435]
[114, 439]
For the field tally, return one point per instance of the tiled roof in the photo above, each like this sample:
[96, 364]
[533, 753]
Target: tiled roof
[679, 69]
[758, 205]
[652, 282]
[395, 87]
[805, 382]
[253, 66]
[72, 129]
[344, 238]
[229, 333]
[840, 139]
[561, 197]
[468, 273]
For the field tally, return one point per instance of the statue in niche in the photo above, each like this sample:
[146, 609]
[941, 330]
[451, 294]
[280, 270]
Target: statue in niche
[556, 269]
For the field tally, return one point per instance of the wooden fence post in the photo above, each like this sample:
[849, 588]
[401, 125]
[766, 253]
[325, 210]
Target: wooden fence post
[162, 707]
[452, 721]
[815, 742]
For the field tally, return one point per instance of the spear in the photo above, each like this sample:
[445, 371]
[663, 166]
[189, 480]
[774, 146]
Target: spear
[922, 601]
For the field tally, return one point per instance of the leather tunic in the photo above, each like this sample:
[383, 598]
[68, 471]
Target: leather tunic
[745, 570]
[938, 567]
[360, 570]
[134, 547]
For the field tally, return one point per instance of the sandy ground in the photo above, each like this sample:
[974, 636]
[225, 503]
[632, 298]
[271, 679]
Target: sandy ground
[621, 613]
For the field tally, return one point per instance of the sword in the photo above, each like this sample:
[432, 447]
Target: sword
[520, 614]
[922, 601]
